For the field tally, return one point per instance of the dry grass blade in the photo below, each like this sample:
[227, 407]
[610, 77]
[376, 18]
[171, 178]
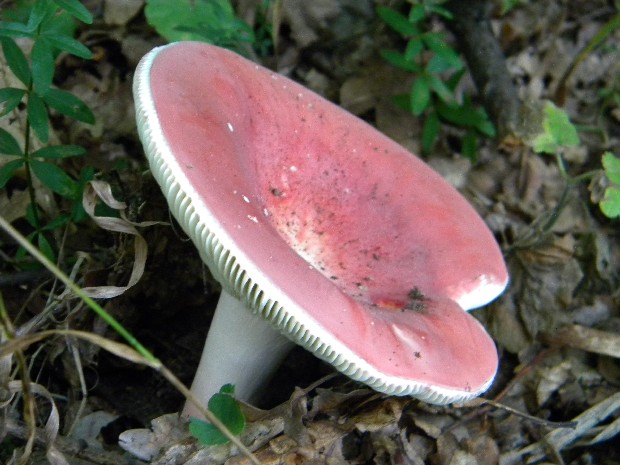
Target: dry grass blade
[101, 190]
[116, 348]
[50, 432]
[8, 333]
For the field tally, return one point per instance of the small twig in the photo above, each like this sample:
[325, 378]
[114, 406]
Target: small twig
[485, 59]
[478, 402]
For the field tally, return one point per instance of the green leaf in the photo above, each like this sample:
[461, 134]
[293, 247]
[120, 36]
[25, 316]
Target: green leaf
[38, 13]
[441, 11]
[610, 205]
[559, 126]
[441, 89]
[437, 65]
[397, 21]
[8, 144]
[445, 59]
[59, 151]
[60, 23]
[483, 123]
[544, 143]
[611, 164]
[430, 131]
[508, 5]
[228, 389]
[7, 170]
[453, 81]
[225, 407]
[420, 95]
[435, 41]
[467, 116]
[77, 212]
[230, 36]
[31, 218]
[37, 117]
[75, 9]
[9, 99]
[45, 247]
[55, 178]
[10, 29]
[56, 222]
[414, 48]
[557, 131]
[23, 258]
[42, 66]
[469, 145]
[396, 59]
[402, 101]
[16, 60]
[417, 13]
[219, 26]
[68, 104]
[69, 45]
[443, 63]
[209, 20]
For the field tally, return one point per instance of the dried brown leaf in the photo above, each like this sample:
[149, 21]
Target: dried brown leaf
[584, 338]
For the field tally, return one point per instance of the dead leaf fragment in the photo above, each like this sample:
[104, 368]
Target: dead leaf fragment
[120, 12]
[584, 338]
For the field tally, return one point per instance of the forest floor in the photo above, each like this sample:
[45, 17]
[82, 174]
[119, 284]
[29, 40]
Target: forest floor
[557, 326]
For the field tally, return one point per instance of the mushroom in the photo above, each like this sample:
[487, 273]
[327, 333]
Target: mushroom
[320, 229]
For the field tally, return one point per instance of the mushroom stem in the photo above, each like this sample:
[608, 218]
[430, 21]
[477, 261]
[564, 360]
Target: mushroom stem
[241, 349]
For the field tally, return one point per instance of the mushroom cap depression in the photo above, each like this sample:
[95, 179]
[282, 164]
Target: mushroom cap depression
[347, 243]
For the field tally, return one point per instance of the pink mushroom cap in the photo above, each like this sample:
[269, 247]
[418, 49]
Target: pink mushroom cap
[344, 241]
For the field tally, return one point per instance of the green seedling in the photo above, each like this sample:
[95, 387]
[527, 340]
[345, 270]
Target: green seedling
[558, 133]
[49, 25]
[226, 408]
[437, 70]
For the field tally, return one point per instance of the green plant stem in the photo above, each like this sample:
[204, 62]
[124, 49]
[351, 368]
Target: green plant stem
[555, 213]
[29, 180]
[573, 180]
